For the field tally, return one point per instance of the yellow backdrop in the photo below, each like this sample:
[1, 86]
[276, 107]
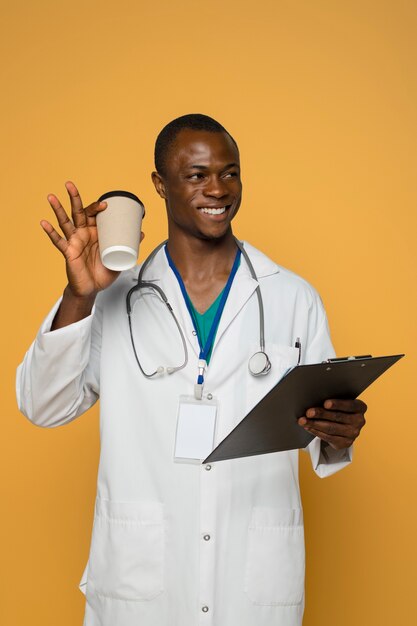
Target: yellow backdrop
[321, 96]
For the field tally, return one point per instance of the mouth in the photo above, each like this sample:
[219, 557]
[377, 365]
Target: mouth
[214, 210]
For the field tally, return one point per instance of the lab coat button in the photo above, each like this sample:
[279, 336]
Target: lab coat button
[205, 609]
[208, 467]
[206, 537]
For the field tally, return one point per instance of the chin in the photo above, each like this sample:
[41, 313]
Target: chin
[215, 235]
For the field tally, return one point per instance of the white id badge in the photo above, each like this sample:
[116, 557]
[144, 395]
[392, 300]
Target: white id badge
[196, 426]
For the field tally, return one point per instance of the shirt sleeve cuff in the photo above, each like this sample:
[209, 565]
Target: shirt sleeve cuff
[83, 325]
[326, 460]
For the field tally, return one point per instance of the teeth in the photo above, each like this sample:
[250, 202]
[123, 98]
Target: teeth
[213, 211]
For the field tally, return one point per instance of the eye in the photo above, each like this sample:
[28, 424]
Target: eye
[230, 175]
[196, 176]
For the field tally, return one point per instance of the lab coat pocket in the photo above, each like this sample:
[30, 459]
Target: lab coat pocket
[127, 550]
[275, 563]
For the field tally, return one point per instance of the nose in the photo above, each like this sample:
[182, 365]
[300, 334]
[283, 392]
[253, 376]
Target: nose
[215, 187]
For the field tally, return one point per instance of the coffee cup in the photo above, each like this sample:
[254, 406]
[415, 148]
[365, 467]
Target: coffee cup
[119, 227]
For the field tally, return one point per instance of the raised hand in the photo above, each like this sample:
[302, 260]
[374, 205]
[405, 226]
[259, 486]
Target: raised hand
[79, 245]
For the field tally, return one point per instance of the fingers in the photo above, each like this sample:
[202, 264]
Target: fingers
[92, 210]
[338, 443]
[81, 216]
[343, 411]
[58, 241]
[331, 416]
[338, 427]
[347, 406]
[77, 210]
[64, 221]
[333, 429]
[338, 435]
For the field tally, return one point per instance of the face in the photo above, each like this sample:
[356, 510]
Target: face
[201, 187]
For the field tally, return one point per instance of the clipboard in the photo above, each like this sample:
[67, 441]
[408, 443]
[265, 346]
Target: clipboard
[271, 426]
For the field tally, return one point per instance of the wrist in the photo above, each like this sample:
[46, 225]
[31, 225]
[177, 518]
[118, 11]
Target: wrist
[72, 308]
[77, 301]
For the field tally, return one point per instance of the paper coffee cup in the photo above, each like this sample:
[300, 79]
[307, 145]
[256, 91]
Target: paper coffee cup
[119, 229]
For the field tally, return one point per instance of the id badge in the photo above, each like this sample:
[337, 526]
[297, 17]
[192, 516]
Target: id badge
[196, 427]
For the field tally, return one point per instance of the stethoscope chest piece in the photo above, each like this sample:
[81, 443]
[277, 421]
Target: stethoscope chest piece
[259, 364]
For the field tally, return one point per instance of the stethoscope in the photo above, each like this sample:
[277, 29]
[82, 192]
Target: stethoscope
[259, 363]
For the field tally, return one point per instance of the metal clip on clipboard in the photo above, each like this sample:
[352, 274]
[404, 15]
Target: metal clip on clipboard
[348, 358]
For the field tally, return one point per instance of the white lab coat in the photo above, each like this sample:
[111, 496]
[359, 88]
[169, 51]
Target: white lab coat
[183, 544]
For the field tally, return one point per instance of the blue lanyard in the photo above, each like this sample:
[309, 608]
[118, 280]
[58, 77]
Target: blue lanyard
[205, 350]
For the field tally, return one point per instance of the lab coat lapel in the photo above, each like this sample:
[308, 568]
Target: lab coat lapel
[176, 300]
[244, 286]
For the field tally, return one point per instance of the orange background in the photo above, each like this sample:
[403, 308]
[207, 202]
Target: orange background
[321, 97]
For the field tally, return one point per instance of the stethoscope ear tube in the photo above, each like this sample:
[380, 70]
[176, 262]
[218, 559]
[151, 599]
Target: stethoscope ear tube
[141, 283]
[260, 303]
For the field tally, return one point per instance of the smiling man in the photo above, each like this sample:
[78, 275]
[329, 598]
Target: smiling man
[198, 176]
[177, 543]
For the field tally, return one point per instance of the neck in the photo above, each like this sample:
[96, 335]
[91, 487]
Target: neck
[202, 259]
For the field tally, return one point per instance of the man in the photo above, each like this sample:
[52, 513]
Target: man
[176, 543]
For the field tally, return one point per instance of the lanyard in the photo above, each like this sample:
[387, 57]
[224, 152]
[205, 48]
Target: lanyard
[205, 350]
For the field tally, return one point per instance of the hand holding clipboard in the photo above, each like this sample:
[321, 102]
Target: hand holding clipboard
[337, 422]
[272, 425]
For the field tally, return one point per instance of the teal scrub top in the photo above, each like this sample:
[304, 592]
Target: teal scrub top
[203, 321]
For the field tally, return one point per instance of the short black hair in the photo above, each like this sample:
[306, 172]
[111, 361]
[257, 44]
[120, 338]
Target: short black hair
[192, 121]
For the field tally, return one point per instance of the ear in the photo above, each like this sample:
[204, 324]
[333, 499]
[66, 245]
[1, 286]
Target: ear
[159, 184]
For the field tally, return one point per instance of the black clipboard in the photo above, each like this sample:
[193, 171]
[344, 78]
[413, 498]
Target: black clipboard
[271, 426]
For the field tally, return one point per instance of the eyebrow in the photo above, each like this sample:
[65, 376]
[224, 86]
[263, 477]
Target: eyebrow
[205, 167]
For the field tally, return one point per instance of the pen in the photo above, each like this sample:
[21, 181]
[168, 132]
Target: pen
[298, 345]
